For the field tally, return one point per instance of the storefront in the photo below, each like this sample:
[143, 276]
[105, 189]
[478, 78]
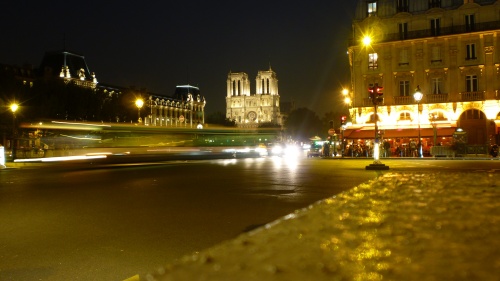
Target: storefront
[397, 141]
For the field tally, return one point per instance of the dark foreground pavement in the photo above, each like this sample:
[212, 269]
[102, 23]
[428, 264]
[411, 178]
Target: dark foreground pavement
[401, 226]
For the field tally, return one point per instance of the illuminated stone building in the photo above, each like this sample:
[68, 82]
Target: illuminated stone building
[69, 66]
[250, 110]
[449, 49]
[186, 108]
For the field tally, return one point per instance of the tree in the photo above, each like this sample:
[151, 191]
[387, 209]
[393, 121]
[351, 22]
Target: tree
[302, 124]
[219, 118]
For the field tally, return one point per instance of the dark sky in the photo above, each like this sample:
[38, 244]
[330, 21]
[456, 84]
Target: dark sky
[160, 44]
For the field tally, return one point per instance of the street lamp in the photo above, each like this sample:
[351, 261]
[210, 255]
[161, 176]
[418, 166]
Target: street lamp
[343, 122]
[14, 107]
[432, 119]
[139, 103]
[418, 97]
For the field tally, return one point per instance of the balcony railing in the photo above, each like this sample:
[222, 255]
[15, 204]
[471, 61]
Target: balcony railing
[436, 98]
[448, 30]
[471, 96]
[401, 100]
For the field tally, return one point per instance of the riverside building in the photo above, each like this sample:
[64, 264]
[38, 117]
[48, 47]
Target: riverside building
[446, 49]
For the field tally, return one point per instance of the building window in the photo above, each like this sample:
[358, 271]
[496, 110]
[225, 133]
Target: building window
[404, 116]
[471, 83]
[436, 85]
[404, 88]
[435, 54]
[469, 23]
[372, 8]
[402, 6]
[472, 114]
[434, 4]
[403, 57]
[471, 51]
[435, 27]
[372, 61]
[403, 31]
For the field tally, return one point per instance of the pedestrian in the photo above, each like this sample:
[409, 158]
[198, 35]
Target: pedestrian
[45, 149]
[413, 148]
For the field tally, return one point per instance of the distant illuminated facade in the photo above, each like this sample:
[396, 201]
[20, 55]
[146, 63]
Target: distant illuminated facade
[250, 110]
[185, 108]
[449, 48]
[70, 66]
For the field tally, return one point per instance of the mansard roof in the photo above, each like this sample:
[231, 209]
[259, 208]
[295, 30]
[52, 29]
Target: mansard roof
[182, 92]
[388, 8]
[54, 61]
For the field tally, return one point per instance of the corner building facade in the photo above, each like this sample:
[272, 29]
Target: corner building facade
[250, 110]
[449, 49]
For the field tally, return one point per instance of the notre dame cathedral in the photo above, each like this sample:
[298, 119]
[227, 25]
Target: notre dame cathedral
[250, 110]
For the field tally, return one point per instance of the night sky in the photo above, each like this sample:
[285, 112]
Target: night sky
[159, 44]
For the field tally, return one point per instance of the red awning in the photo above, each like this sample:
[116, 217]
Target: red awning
[398, 133]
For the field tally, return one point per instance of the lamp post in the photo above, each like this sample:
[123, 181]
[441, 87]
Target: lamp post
[418, 97]
[14, 107]
[343, 123]
[139, 103]
[432, 119]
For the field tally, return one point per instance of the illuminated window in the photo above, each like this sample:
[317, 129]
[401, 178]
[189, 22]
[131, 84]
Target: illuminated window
[437, 116]
[404, 88]
[435, 54]
[436, 85]
[403, 31]
[471, 83]
[469, 22]
[372, 8]
[372, 61]
[435, 27]
[404, 116]
[471, 51]
[403, 57]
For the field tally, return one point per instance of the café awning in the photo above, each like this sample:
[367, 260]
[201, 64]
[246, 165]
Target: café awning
[398, 133]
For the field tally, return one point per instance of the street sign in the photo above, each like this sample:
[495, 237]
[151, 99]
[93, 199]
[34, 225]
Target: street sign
[181, 118]
[331, 132]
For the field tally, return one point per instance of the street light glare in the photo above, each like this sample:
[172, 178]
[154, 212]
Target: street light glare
[367, 40]
[418, 95]
[345, 92]
[14, 107]
[139, 103]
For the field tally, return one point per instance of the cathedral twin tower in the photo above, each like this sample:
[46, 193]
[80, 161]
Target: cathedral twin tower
[250, 110]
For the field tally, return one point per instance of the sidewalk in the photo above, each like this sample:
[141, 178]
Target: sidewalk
[410, 226]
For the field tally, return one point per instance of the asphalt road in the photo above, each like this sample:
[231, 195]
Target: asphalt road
[113, 221]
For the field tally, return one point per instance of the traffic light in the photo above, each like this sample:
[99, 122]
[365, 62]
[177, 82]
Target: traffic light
[371, 92]
[343, 120]
[376, 94]
[379, 94]
[331, 124]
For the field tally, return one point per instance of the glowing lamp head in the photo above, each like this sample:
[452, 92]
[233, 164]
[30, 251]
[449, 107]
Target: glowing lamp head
[14, 107]
[418, 94]
[367, 40]
[139, 103]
